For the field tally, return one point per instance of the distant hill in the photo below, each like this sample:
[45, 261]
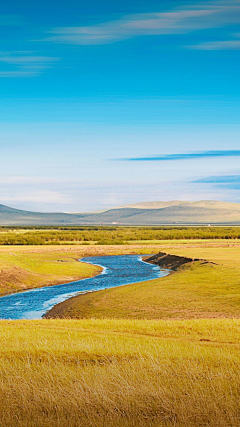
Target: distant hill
[147, 213]
[202, 203]
[11, 216]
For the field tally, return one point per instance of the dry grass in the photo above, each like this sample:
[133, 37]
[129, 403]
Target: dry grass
[107, 373]
[201, 290]
[117, 372]
[25, 267]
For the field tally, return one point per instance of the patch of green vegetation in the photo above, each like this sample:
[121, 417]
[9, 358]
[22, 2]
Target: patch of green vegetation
[24, 269]
[102, 235]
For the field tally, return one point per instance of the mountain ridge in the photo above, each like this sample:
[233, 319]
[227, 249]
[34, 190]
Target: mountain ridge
[146, 213]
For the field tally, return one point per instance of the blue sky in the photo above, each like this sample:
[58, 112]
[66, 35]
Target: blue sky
[88, 86]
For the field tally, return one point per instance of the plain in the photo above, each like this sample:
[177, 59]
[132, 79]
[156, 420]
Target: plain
[149, 354]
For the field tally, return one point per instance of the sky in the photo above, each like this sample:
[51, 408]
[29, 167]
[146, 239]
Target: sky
[106, 103]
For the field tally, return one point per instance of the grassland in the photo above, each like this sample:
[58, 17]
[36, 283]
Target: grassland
[25, 267]
[163, 353]
[198, 290]
[128, 373]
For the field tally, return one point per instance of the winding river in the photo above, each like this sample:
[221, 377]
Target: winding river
[117, 270]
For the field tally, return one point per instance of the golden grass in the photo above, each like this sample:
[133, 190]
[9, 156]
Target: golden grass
[107, 373]
[123, 371]
[24, 267]
[198, 290]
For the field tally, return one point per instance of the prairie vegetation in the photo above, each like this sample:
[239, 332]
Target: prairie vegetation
[29, 267]
[126, 373]
[144, 355]
[110, 235]
[25, 267]
[196, 290]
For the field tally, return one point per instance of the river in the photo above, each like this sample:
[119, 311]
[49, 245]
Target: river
[117, 270]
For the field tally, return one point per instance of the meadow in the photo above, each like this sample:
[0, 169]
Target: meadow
[106, 373]
[209, 288]
[27, 267]
[163, 353]
[102, 235]
[22, 268]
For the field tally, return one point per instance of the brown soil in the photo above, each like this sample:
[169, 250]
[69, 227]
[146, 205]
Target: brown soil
[171, 262]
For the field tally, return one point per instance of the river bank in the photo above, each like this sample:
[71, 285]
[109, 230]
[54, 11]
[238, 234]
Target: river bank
[207, 288]
[28, 267]
[168, 261]
[162, 259]
[116, 271]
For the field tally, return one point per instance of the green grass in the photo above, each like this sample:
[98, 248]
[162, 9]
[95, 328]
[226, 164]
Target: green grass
[107, 373]
[22, 269]
[111, 235]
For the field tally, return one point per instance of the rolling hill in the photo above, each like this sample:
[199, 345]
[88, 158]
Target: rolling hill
[147, 213]
[174, 212]
[10, 216]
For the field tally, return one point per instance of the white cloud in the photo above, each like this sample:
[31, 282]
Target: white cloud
[24, 64]
[181, 20]
[218, 45]
[19, 60]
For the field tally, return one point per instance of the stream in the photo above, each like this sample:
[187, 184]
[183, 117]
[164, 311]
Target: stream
[117, 271]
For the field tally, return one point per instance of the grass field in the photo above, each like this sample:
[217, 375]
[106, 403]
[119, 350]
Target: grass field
[25, 267]
[107, 373]
[198, 290]
[22, 268]
[144, 355]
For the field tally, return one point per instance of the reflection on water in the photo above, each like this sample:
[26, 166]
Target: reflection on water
[117, 270]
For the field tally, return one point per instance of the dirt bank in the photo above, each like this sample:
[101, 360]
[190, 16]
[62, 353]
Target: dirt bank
[171, 262]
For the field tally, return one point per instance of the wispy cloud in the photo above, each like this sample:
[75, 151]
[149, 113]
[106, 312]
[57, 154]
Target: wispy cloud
[222, 179]
[219, 45]
[225, 182]
[24, 64]
[233, 44]
[182, 20]
[185, 156]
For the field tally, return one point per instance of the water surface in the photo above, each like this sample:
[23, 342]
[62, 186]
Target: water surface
[117, 270]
